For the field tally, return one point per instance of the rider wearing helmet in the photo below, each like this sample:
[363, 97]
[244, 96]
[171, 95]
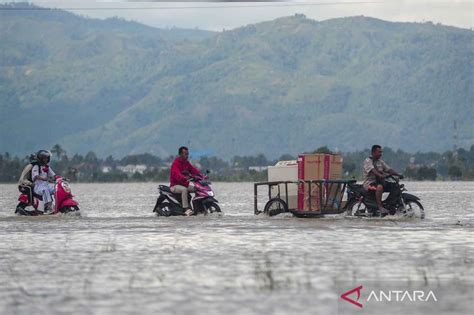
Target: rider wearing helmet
[41, 173]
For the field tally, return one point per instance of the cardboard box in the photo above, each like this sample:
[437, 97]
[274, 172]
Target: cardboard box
[304, 197]
[318, 167]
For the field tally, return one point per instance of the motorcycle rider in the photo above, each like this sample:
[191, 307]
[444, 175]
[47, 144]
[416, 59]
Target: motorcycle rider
[375, 172]
[181, 171]
[41, 173]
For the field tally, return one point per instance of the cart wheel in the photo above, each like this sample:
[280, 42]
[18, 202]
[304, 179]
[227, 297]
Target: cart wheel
[275, 206]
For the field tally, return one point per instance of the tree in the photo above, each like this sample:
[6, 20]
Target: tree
[454, 172]
[109, 161]
[324, 150]
[426, 173]
[146, 158]
[213, 163]
[247, 161]
[286, 157]
[91, 158]
[348, 167]
[58, 150]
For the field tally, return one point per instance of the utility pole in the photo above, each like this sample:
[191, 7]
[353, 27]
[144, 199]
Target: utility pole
[455, 141]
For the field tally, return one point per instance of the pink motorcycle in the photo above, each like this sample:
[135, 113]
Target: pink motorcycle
[203, 202]
[63, 200]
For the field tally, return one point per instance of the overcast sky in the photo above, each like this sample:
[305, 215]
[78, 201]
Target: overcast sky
[217, 15]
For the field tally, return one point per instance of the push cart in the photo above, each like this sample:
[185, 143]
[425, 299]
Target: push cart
[316, 198]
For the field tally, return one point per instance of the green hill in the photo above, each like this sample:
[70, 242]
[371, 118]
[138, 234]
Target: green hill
[286, 85]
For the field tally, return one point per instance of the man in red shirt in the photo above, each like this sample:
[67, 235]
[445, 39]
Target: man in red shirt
[181, 170]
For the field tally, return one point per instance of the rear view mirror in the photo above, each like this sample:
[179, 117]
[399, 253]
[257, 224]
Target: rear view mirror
[208, 171]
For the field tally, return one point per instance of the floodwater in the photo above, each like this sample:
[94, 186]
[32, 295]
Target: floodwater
[118, 258]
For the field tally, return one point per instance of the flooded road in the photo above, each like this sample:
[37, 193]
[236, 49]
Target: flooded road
[118, 258]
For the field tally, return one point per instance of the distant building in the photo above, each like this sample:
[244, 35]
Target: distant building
[106, 169]
[131, 169]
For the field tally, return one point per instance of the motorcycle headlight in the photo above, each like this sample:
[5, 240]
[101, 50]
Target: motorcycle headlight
[210, 193]
[66, 187]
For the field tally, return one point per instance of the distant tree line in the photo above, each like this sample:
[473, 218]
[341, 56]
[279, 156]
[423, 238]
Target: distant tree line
[449, 165]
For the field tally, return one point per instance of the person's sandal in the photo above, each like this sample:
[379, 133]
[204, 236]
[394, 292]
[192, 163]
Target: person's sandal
[48, 208]
[189, 212]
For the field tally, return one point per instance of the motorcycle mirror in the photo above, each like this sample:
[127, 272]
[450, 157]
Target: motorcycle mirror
[208, 171]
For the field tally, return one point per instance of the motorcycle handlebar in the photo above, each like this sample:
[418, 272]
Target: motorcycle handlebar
[197, 178]
[396, 177]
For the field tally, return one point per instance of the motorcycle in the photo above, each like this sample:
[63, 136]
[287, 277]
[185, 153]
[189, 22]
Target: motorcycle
[362, 203]
[63, 200]
[203, 202]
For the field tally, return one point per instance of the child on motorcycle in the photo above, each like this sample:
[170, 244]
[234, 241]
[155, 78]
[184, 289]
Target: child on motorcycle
[41, 173]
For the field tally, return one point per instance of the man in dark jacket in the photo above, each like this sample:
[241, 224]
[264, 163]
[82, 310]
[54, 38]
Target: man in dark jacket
[375, 172]
[181, 171]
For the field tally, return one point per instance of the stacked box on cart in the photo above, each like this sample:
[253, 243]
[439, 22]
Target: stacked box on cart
[317, 167]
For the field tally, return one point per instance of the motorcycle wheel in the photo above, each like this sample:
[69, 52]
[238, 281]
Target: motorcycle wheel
[414, 208]
[357, 209]
[72, 210]
[212, 207]
[163, 210]
[275, 206]
[23, 212]
[69, 209]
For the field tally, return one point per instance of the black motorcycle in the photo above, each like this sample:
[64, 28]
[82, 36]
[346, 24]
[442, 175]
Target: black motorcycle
[362, 203]
[203, 202]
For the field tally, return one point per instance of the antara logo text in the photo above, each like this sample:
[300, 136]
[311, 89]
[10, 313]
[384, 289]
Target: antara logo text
[353, 296]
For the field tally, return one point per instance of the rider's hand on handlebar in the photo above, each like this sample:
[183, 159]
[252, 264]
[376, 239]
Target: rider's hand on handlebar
[401, 176]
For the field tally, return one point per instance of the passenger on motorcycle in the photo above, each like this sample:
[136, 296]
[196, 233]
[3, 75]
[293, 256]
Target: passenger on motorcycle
[181, 171]
[41, 173]
[375, 172]
[25, 183]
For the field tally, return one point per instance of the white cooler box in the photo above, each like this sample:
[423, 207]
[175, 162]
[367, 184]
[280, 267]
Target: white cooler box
[285, 171]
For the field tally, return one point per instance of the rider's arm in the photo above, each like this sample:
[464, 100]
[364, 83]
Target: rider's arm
[176, 173]
[377, 173]
[392, 172]
[193, 170]
[51, 173]
[35, 173]
[387, 169]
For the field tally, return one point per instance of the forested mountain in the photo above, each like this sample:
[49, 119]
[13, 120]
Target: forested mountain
[283, 86]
